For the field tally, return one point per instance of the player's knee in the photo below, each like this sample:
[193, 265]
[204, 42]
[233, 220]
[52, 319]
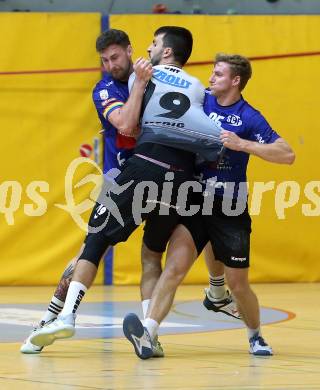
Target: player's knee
[238, 288]
[175, 273]
[150, 260]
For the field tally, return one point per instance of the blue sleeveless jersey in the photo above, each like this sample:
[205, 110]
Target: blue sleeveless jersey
[108, 95]
[242, 119]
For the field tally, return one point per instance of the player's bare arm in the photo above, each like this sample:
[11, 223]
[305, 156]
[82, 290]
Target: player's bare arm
[126, 118]
[278, 152]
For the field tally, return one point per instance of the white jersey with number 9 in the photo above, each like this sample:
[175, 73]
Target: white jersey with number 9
[172, 113]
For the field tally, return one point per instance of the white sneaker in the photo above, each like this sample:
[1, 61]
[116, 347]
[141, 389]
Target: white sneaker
[259, 347]
[225, 305]
[27, 346]
[61, 328]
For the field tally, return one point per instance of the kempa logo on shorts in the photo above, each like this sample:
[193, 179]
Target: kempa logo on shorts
[241, 259]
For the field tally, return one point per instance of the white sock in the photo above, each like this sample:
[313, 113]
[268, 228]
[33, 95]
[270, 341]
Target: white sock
[253, 332]
[54, 309]
[216, 286]
[76, 292]
[152, 327]
[145, 305]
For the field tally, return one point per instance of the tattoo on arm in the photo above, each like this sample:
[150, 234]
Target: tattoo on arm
[62, 288]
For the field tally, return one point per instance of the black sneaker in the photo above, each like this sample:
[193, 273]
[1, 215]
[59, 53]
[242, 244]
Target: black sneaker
[226, 305]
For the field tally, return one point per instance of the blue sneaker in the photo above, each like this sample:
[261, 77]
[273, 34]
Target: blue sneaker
[138, 336]
[259, 347]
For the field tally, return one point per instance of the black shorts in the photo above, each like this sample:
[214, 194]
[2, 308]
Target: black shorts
[158, 230]
[115, 215]
[229, 235]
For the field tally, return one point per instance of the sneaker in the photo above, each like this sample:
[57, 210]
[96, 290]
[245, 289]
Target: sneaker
[157, 348]
[138, 336]
[226, 305]
[60, 328]
[259, 347]
[27, 346]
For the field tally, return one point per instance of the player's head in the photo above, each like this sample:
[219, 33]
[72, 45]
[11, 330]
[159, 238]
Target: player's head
[115, 51]
[171, 44]
[231, 72]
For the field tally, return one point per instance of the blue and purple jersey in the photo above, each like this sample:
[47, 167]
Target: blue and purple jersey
[108, 95]
[247, 122]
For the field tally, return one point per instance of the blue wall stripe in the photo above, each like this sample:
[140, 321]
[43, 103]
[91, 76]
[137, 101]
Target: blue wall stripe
[108, 258]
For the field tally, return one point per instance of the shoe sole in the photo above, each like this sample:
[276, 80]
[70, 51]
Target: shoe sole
[30, 351]
[132, 326]
[49, 336]
[261, 353]
[210, 306]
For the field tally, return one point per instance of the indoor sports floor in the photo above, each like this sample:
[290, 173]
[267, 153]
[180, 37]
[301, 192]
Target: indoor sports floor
[204, 350]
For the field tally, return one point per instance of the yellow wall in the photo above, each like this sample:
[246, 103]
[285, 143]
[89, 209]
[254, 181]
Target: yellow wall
[286, 91]
[44, 120]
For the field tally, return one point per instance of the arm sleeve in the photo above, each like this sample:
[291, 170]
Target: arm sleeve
[260, 130]
[106, 100]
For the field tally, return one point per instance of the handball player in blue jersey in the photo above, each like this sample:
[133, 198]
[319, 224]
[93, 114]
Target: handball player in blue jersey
[245, 132]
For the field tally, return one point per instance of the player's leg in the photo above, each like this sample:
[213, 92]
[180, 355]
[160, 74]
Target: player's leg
[186, 242]
[216, 287]
[249, 307]
[180, 257]
[85, 270]
[55, 306]
[182, 253]
[230, 238]
[217, 297]
[150, 273]
[157, 232]
[152, 249]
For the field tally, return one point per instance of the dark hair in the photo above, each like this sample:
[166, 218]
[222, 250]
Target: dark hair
[179, 39]
[112, 37]
[239, 66]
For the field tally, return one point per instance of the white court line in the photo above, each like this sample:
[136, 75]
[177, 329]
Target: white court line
[25, 317]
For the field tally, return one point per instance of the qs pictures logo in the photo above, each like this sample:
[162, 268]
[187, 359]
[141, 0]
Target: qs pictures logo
[14, 198]
[76, 210]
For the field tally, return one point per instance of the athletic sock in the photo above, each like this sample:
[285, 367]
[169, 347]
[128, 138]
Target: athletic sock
[54, 309]
[152, 327]
[216, 286]
[76, 292]
[253, 332]
[145, 305]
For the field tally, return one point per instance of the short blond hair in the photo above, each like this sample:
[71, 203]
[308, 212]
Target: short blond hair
[239, 65]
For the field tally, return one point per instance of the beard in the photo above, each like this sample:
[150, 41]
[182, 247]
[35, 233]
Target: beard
[122, 73]
[155, 60]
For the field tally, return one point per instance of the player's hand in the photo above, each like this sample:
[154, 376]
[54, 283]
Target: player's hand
[143, 69]
[231, 141]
